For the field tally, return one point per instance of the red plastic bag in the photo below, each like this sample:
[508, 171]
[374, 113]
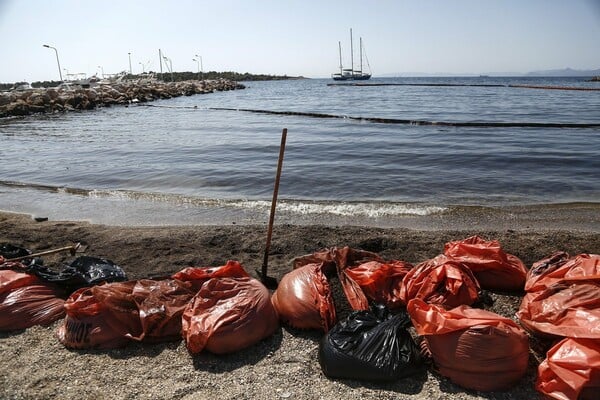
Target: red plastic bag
[571, 370]
[111, 315]
[559, 267]
[303, 299]
[30, 305]
[227, 315]
[562, 297]
[493, 268]
[25, 300]
[544, 268]
[11, 279]
[568, 309]
[198, 275]
[345, 257]
[380, 281]
[476, 349]
[440, 280]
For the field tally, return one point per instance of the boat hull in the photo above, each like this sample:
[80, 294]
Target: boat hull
[362, 77]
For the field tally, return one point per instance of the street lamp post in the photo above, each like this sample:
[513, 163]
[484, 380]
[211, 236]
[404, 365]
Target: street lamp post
[143, 69]
[201, 68]
[101, 69]
[129, 54]
[57, 61]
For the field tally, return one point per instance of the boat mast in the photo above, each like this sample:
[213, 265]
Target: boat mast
[361, 56]
[351, 53]
[341, 67]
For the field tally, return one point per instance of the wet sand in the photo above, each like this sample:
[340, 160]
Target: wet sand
[36, 365]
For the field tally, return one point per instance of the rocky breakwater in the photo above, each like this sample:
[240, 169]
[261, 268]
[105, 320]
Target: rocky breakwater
[73, 97]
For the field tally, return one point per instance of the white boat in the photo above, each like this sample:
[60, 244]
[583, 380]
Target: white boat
[346, 74]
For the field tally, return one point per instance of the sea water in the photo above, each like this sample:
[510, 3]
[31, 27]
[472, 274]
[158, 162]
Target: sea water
[184, 161]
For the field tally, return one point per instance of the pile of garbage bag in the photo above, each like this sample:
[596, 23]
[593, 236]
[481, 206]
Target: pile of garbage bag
[438, 293]
[32, 294]
[223, 310]
[220, 308]
[561, 303]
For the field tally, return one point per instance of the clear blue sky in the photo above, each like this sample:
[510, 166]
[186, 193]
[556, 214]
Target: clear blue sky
[297, 37]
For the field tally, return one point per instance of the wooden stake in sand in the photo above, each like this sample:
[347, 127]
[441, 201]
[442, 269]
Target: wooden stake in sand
[271, 282]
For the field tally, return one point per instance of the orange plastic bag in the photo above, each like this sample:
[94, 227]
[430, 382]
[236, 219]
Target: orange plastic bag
[562, 297]
[493, 268]
[303, 299]
[198, 275]
[13, 276]
[571, 370]
[227, 315]
[380, 281]
[544, 268]
[25, 300]
[568, 309]
[558, 267]
[111, 315]
[345, 257]
[440, 280]
[476, 349]
[31, 305]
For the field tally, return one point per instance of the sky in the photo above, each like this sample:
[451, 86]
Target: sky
[297, 38]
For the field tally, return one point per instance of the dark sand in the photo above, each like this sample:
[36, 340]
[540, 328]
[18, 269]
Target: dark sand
[35, 365]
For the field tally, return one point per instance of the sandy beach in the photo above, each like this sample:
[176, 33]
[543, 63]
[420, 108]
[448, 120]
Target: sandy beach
[35, 365]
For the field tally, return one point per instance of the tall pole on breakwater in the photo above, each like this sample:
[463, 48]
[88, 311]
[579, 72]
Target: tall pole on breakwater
[129, 54]
[198, 64]
[160, 61]
[201, 68]
[57, 61]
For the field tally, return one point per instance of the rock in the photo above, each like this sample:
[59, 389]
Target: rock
[71, 97]
[18, 108]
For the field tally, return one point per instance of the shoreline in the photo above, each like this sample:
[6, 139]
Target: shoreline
[114, 210]
[36, 365]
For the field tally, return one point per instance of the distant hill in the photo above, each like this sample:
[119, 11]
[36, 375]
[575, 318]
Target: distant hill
[565, 72]
[548, 72]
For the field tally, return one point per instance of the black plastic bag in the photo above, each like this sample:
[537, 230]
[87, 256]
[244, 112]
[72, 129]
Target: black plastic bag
[370, 345]
[9, 251]
[83, 271]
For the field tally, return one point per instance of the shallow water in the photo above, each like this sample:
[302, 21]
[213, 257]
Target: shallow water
[179, 161]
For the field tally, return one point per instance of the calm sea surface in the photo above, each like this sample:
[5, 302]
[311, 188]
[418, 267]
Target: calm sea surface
[179, 161]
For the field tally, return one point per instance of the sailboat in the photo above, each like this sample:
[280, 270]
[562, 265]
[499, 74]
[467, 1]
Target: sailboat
[346, 74]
